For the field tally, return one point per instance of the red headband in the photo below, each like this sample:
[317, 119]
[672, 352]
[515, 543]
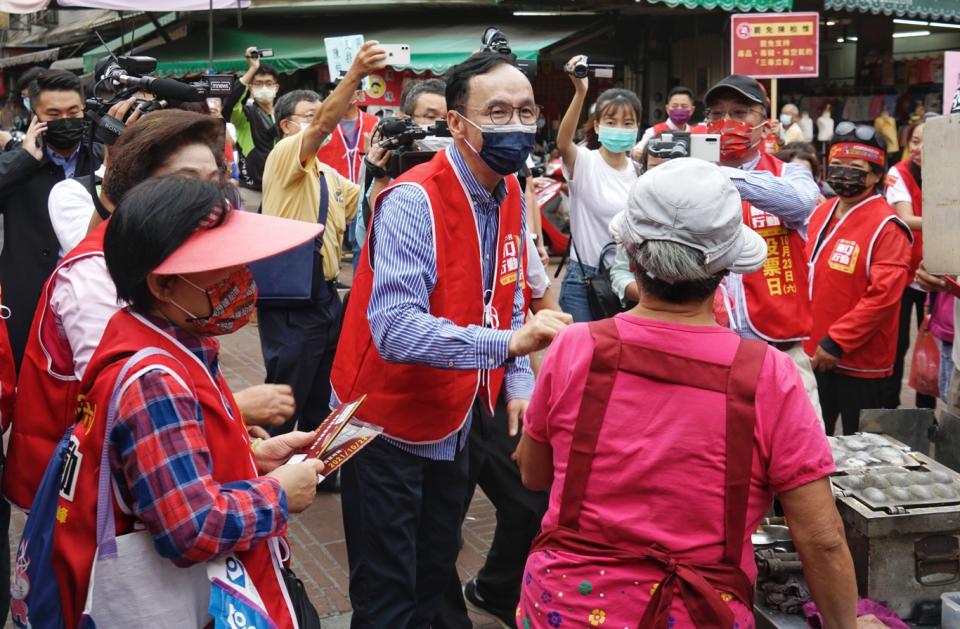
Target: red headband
[851, 150]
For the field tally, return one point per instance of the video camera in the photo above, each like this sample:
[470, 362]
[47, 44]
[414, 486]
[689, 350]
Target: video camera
[118, 78]
[493, 40]
[399, 135]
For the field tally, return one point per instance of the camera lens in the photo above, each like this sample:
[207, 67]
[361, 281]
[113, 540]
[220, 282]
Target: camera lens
[580, 71]
[255, 55]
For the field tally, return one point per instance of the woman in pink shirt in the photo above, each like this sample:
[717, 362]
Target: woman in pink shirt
[664, 438]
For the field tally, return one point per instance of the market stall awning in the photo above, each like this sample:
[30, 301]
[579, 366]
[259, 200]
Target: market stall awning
[731, 5]
[93, 55]
[435, 48]
[931, 9]
[30, 58]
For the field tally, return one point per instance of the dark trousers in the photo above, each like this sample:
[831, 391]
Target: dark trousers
[298, 346]
[401, 518]
[845, 396]
[519, 512]
[912, 302]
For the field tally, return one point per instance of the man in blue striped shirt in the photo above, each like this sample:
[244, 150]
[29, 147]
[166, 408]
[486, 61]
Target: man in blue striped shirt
[414, 322]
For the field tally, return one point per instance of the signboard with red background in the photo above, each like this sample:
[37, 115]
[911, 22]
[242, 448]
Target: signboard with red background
[386, 86]
[775, 45]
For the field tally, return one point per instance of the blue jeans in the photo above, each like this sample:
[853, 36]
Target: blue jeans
[573, 292]
[946, 367]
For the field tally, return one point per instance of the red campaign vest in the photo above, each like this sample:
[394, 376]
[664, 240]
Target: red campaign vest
[916, 200]
[778, 307]
[840, 274]
[337, 154]
[42, 416]
[231, 457]
[700, 584]
[8, 378]
[663, 127]
[401, 396]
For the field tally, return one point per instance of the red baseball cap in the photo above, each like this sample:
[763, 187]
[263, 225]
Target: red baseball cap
[242, 237]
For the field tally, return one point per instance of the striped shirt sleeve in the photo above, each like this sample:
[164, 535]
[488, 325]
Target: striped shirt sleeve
[792, 196]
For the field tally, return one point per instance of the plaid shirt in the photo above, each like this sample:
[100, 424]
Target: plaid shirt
[160, 461]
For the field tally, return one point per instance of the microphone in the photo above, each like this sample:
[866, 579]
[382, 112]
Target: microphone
[168, 89]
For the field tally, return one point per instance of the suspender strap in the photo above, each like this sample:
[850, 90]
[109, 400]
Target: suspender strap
[593, 406]
[741, 419]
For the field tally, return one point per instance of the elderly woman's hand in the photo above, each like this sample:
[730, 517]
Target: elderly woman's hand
[299, 483]
[274, 452]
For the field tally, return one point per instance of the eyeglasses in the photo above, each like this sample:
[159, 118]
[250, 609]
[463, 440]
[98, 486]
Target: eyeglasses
[502, 114]
[263, 84]
[862, 132]
[736, 113]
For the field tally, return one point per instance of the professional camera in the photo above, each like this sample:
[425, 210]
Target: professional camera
[119, 78]
[495, 41]
[401, 136]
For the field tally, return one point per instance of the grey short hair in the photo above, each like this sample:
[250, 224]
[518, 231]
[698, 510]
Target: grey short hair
[669, 261]
[287, 103]
[673, 272]
[416, 88]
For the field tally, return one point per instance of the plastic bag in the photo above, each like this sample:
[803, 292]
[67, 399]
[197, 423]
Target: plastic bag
[925, 365]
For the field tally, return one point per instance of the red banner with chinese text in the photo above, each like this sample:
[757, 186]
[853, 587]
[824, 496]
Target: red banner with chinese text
[775, 45]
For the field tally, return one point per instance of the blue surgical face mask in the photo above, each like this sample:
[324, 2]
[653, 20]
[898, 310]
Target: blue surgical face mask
[618, 139]
[505, 146]
[786, 120]
[26, 103]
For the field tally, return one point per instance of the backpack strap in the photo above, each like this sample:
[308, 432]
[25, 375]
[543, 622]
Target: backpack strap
[106, 520]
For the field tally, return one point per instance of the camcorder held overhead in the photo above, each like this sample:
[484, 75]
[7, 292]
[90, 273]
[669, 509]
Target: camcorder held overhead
[261, 53]
[581, 69]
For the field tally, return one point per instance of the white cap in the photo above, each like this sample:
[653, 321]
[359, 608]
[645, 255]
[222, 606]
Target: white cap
[690, 201]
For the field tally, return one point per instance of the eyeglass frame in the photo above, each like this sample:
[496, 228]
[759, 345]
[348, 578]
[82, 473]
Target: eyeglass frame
[750, 110]
[536, 113]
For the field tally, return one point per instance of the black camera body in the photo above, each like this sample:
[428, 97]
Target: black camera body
[399, 135]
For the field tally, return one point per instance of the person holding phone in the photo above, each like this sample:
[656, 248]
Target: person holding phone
[599, 182]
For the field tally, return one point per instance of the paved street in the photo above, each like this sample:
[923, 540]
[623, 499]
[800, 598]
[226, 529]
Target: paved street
[316, 536]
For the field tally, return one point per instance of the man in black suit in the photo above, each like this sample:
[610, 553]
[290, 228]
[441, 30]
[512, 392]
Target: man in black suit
[52, 151]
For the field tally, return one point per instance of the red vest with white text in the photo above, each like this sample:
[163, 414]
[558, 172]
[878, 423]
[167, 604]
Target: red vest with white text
[337, 152]
[916, 200]
[231, 460]
[778, 306]
[417, 403]
[840, 275]
[50, 404]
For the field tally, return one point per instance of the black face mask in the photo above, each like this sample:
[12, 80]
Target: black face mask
[64, 133]
[847, 181]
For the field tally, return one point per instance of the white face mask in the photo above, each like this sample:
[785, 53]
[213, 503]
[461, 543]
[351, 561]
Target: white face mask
[263, 94]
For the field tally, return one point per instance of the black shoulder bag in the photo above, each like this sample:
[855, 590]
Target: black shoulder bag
[603, 300]
[294, 278]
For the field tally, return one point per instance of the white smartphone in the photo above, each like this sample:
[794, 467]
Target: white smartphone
[705, 146]
[397, 54]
